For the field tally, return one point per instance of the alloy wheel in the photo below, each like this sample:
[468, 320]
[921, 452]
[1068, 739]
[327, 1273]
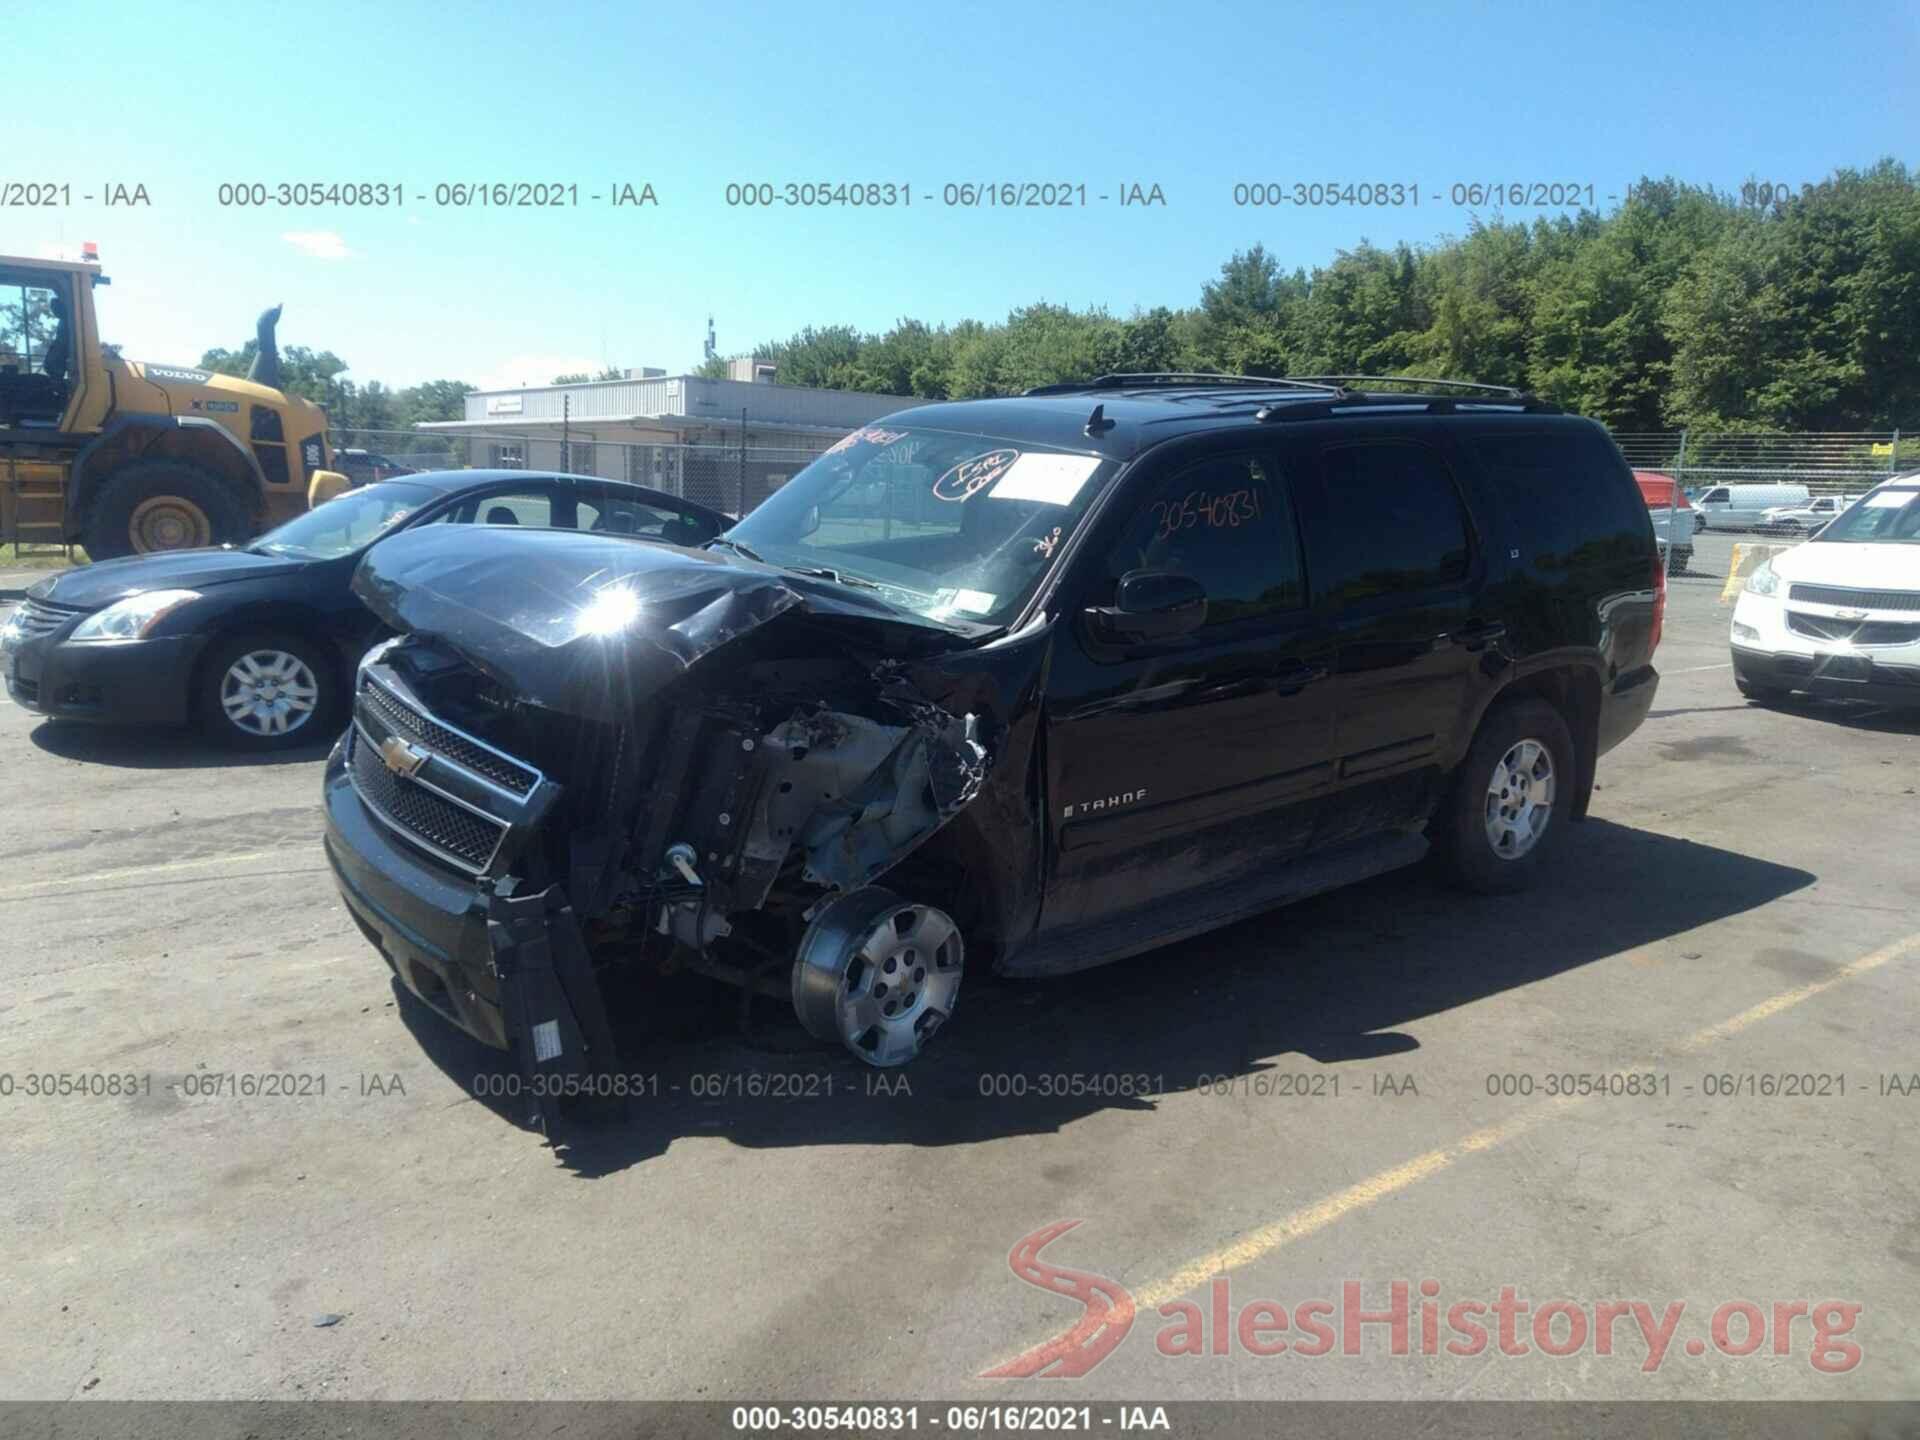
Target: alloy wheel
[1519, 799]
[269, 693]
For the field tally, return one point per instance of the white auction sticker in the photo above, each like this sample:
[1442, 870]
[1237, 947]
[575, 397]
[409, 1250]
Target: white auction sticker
[1050, 479]
[1891, 499]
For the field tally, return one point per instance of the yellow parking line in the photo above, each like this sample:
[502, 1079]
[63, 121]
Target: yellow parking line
[1366, 1193]
[1787, 999]
[1317, 1216]
[162, 869]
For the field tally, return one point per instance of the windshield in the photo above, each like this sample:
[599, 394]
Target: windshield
[959, 528]
[347, 522]
[1886, 517]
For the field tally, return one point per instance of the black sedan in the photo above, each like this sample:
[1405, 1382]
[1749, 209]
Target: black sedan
[257, 644]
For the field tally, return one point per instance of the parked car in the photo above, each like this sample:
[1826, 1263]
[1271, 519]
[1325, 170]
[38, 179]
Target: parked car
[1666, 508]
[1840, 615]
[1156, 653]
[257, 644]
[1792, 519]
[1744, 507]
[363, 467]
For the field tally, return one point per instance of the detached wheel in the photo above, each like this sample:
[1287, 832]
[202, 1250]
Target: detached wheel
[1510, 797]
[268, 691]
[878, 973]
[154, 505]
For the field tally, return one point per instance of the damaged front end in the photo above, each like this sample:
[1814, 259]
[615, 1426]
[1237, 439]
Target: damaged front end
[584, 752]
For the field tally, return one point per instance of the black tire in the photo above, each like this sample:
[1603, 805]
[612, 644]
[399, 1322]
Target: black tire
[1761, 694]
[1460, 829]
[144, 503]
[1682, 558]
[214, 684]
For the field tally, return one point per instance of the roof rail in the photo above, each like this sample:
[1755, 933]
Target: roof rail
[1127, 379]
[1510, 392]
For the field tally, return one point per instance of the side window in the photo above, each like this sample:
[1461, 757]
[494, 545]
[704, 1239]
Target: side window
[35, 330]
[616, 515]
[1227, 523]
[1395, 523]
[530, 507]
[1566, 493]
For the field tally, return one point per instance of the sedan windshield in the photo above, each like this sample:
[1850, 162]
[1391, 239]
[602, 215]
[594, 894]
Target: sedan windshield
[349, 521]
[1886, 517]
[960, 528]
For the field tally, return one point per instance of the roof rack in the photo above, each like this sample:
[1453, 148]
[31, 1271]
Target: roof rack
[1510, 392]
[1320, 384]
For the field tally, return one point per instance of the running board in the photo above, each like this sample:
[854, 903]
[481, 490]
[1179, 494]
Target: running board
[1148, 928]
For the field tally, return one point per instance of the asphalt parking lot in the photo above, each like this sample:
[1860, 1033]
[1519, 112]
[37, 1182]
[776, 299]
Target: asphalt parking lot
[1359, 1089]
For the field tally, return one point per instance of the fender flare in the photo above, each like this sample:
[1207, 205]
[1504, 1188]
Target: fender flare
[85, 485]
[1515, 680]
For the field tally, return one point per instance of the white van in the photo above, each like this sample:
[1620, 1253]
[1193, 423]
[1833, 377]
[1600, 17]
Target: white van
[1744, 507]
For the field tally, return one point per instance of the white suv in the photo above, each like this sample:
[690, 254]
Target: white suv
[1840, 615]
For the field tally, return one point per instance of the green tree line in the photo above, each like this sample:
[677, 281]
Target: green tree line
[1685, 307]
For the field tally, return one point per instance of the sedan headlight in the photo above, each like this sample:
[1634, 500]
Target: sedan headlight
[1763, 581]
[134, 617]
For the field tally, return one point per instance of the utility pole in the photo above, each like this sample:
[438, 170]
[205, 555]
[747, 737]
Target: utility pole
[743, 462]
[566, 423]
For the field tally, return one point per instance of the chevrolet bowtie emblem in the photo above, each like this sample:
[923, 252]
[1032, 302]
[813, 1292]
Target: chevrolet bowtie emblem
[1849, 614]
[400, 757]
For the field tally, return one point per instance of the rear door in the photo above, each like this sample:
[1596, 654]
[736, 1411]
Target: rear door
[1399, 569]
[1174, 767]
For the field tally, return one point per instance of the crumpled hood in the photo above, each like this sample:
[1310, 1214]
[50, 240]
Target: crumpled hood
[588, 624]
[101, 583]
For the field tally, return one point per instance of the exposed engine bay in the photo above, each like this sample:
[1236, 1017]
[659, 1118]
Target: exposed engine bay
[700, 766]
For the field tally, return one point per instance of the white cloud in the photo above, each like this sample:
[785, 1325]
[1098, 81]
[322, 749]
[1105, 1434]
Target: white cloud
[319, 244]
[533, 369]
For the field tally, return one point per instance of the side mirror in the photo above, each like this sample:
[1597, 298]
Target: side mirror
[1151, 607]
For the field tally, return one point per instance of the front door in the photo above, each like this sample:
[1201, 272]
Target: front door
[1177, 766]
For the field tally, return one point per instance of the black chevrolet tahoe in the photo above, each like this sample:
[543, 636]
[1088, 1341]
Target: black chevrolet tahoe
[1028, 684]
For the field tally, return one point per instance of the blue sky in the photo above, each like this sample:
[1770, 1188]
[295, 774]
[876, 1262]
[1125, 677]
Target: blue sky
[1193, 97]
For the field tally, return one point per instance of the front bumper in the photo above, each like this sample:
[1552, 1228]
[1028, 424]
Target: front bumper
[1768, 653]
[132, 682]
[510, 970]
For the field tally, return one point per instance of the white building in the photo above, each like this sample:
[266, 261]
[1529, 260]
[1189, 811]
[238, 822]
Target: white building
[752, 430]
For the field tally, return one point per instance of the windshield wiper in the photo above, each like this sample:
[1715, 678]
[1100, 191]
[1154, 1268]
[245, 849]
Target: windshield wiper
[839, 577]
[735, 545]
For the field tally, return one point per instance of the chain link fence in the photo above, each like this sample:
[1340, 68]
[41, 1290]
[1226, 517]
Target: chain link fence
[1711, 529]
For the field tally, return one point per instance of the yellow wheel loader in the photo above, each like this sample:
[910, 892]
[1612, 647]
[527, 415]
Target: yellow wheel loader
[123, 457]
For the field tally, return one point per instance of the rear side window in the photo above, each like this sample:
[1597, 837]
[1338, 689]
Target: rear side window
[1563, 492]
[1395, 523]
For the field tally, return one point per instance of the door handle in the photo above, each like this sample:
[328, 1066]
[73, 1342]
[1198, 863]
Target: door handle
[1291, 679]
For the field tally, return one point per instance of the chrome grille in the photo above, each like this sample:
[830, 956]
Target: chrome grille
[1855, 599]
[36, 617]
[456, 833]
[1857, 632]
[509, 774]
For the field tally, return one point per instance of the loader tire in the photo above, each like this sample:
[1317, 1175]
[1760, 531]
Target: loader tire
[153, 505]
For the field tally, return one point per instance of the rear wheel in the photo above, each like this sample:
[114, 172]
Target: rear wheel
[1511, 796]
[268, 691]
[153, 505]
